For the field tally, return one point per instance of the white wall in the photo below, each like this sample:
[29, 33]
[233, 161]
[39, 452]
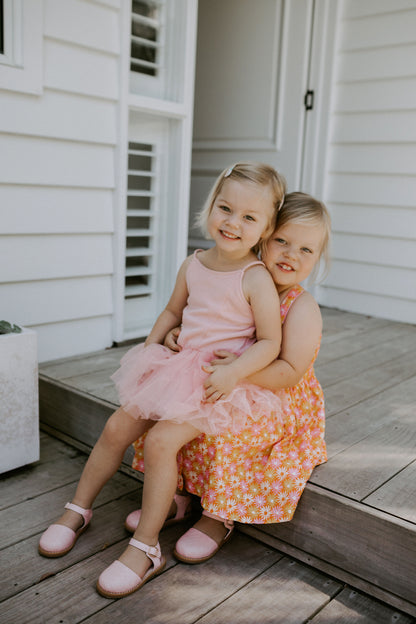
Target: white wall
[57, 181]
[371, 166]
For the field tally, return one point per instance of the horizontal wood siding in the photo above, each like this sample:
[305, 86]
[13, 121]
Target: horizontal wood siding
[58, 181]
[371, 166]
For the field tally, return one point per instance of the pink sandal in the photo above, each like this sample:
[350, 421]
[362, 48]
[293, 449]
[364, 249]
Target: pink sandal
[118, 580]
[196, 547]
[58, 539]
[183, 512]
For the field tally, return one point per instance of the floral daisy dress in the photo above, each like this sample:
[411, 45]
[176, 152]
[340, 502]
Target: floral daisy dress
[258, 475]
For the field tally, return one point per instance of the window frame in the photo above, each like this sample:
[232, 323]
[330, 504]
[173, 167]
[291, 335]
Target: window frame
[21, 64]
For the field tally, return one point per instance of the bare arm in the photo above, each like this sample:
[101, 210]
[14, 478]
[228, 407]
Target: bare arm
[264, 300]
[171, 316]
[301, 335]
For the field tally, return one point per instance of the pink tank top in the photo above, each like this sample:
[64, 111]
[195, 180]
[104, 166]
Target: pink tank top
[217, 314]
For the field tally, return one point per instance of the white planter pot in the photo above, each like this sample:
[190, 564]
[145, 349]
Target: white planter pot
[19, 400]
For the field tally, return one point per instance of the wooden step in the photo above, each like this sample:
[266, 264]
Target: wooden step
[357, 517]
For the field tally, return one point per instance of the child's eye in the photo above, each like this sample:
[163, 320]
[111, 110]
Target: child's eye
[249, 218]
[281, 241]
[306, 250]
[224, 208]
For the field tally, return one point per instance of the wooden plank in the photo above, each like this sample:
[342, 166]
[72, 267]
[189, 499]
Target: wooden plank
[339, 573]
[376, 31]
[185, 593]
[30, 297]
[70, 595]
[354, 390]
[363, 190]
[72, 337]
[351, 606]
[86, 119]
[26, 567]
[125, 466]
[80, 24]
[86, 69]
[34, 515]
[354, 340]
[46, 210]
[95, 383]
[365, 466]
[364, 542]
[378, 64]
[394, 308]
[373, 219]
[381, 96]
[354, 363]
[390, 125]
[397, 158]
[41, 477]
[369, 248]
[338, 324]
[75, 416]
[356, 8]
[270, 596]
[347, 428]
[74, 413]
[40, 161]
[398, 495]
[92, 257]
[83, 364]
[384, 281]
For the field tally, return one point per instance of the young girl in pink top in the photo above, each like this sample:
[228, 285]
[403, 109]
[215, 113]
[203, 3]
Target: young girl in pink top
[226, 300]
[259, 474]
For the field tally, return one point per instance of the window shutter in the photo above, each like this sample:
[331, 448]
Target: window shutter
[146, 37]
[141, 221]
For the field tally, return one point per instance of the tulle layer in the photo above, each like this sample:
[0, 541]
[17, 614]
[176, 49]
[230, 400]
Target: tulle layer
[155, 383]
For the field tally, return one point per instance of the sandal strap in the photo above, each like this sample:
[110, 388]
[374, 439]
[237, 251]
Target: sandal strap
[85, 513]
[153, 552]
[229, 524]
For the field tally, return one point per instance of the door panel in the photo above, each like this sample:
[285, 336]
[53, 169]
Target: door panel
[251, 78]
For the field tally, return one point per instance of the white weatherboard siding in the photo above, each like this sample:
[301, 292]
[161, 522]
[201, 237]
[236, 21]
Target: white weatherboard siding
[57, 182]
[371, 165]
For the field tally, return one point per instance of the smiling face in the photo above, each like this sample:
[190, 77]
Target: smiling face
[292, 252]
[241, 215]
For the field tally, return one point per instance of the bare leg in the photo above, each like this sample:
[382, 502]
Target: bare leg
[211, 527]
[120, 431]
[161, 447]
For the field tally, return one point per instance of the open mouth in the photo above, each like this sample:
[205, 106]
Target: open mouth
[229, 235]
[285, 267]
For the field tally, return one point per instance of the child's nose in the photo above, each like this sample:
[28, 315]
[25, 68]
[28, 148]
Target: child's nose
[232, 220]
[290, 252]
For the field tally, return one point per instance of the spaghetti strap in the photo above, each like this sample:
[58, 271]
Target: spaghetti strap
[253, 264]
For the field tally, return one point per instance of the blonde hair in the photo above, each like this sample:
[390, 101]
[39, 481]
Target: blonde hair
[255, 173]
[303, 208]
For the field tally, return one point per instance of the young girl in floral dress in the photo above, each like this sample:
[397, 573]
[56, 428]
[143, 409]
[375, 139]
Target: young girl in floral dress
[259, 474]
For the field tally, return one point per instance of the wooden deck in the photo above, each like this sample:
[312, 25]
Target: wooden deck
[356, 522]
[247, 582]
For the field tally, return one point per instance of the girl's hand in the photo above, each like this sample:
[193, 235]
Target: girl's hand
[171, 339]
[220, 383]
[223, 357]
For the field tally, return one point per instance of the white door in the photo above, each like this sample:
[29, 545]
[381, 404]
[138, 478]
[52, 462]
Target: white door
[251, 80]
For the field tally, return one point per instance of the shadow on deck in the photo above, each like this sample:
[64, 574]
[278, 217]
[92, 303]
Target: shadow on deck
[357, 518]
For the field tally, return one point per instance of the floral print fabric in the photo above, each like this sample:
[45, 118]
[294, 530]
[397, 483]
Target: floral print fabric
[258, 475]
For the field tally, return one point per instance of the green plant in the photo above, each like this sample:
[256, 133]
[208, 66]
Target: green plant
[7, 328]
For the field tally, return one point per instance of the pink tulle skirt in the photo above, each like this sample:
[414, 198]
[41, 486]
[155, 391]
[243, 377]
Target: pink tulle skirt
[155, 383]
